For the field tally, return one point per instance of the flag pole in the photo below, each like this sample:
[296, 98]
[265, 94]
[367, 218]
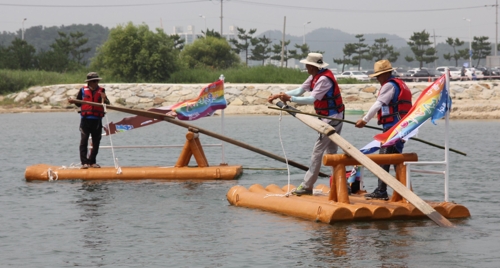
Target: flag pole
[446, 134]
[223, 161]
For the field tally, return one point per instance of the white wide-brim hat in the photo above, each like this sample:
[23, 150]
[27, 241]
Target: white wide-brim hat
[315, 59]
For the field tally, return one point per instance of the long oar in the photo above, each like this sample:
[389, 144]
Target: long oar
[354, 123]
[329, 131]
[172, 120]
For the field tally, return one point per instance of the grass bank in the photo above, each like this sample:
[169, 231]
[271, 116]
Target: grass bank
[15, 81]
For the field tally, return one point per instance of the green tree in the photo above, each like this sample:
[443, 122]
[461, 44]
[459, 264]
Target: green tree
[212, 33]
[136, 54]
[53, 61]
[242, 44]
[20, 55]
[261, 49]
[276, 50]
[210, 52]
[420, 45]
[361, 50]
[3, 57]
[454, 43]
[66, 53]
[178, 42]
[381, 50]
[304, 50]
[480, 48]
[349, 50]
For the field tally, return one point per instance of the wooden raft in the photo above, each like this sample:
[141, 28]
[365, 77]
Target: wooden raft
[336, 205]
[180, 171]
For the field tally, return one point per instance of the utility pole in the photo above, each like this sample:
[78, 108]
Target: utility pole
[304, 36]
[22, 32]
[470, 43]
[435, 50]
[221, 34]
[283, 42]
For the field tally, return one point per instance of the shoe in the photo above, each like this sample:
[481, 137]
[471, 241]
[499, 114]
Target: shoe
[95, 166]
[84, 166]
[377, 195]
[301, 190]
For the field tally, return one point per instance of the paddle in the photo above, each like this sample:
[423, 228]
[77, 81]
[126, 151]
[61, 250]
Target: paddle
[351, 150]
[172, 120]
[352, 122]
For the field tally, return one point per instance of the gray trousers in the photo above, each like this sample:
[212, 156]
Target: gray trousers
[323, 145]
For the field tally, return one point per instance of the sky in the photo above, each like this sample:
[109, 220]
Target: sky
[461, 19]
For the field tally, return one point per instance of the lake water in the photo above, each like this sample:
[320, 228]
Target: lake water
[191, 224]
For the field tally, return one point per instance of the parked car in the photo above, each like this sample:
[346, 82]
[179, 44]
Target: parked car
[368, 72]
[455, 72]
[354, 74]
[491, 73]
[407, 76]
[424, 75]
[399, 73]
[478, 74]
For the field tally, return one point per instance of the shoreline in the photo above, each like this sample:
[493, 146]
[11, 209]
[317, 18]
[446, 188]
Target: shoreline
[470, 99]
[461, 110]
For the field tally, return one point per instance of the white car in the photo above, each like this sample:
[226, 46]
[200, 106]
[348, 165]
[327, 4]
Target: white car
[354, 74]
[455, 72]
[479, 74]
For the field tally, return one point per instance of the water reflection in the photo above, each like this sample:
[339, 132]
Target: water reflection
[347, 244]
[94, 196]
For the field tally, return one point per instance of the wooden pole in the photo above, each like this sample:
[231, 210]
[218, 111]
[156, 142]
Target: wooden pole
[352, 122]
[174, 121]
[329, 131]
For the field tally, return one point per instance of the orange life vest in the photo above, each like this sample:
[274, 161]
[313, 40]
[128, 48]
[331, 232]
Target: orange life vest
[331, 103]
[92, 96]
[398, 106]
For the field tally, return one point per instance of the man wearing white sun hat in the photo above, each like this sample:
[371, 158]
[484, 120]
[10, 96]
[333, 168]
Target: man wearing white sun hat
[327, 100]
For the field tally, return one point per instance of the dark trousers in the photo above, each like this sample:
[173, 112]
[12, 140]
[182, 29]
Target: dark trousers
[90, 127]
[397, 148]
[382, 186]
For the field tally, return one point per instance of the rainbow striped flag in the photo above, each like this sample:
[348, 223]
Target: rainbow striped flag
[210, 99]
[432, 103]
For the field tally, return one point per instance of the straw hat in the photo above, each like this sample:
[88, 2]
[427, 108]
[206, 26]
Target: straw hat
[92, 76]
[380, 67]
[315, 59]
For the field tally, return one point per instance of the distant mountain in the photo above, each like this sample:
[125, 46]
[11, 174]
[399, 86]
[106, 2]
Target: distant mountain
[332, 41]
[42, 37]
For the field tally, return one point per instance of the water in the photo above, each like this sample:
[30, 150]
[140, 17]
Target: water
[191, 224]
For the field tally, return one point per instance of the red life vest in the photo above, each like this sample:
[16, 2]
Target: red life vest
[331, 103]
[92, 96]
[398, 106]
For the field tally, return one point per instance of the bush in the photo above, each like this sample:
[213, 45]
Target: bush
[258, 74]
[16, 80]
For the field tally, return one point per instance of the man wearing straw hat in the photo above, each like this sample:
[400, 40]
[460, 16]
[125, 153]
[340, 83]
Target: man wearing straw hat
[91, 118]
[392, 104]
[327, 100]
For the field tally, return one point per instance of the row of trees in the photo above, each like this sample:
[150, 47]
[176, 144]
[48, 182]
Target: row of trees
[419, 44]
[134, 53]
[263, 49]
[65, 54]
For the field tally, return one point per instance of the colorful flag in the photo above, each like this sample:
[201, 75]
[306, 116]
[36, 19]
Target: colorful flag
[433, 103]
[210, 99]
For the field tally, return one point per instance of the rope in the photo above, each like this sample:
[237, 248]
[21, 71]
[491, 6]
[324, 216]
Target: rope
[117, 166]
[52, 175]
[287, 194]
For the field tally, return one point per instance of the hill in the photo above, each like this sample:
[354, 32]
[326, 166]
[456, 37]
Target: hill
[42, 37]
